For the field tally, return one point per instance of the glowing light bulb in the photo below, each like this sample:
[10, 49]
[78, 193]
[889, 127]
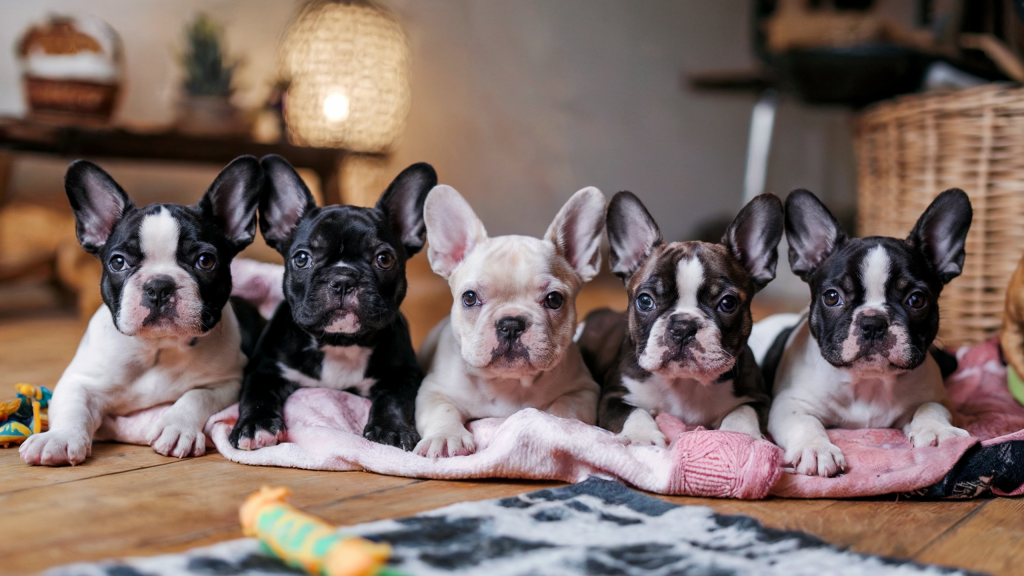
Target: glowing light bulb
[336, 107]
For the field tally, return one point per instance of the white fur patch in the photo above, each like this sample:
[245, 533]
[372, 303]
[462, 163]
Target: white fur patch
[640, 429]
[874, 272]
[344, 367]
[158, 237]
[689, 278]
[693, 402]
[346, 323]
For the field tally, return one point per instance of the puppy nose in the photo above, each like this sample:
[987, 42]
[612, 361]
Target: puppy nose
[510, 327]
[342, 285]
[873, 327]
[683, 330]
[158, 290]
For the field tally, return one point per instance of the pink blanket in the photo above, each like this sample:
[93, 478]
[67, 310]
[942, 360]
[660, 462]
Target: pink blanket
[324, 433]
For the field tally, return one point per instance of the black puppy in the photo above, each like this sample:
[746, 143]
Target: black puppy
[339, 326]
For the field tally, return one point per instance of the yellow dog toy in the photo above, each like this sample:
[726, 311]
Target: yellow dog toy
[309, 543]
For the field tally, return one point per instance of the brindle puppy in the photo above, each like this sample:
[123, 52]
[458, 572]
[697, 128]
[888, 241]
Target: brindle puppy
[681, 347]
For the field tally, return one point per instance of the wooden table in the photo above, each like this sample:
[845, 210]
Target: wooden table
[71, 142]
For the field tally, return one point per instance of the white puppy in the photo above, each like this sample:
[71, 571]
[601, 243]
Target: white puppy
[507, 344]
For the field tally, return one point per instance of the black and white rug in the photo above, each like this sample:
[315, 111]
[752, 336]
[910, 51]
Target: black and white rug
[596, 527]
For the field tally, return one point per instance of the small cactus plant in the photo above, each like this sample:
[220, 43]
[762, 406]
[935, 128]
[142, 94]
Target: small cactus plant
[207, 69]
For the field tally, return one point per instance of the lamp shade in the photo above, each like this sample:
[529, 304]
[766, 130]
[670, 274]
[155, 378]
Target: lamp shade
[347, 63]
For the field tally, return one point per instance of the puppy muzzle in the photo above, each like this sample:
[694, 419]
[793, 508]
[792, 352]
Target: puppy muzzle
[875, 341]
[159, 295]
[686, 346]
[510, 351]
[160, 305]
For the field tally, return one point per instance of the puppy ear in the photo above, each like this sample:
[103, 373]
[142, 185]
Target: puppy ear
[753, 237]
[453, 229]
[632, 234]
[812, 232]
[97, 202]
[232, 199]
[403, 204]
[576, 232]
[283, 201]
[941, 232]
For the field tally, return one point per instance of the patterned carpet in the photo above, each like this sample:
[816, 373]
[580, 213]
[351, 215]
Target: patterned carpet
[595, 527]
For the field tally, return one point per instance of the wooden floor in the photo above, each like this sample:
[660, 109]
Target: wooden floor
[127, 500]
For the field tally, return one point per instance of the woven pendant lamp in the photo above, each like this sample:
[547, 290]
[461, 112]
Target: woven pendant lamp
[348, 66]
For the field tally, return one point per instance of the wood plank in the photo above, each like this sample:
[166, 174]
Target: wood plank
[988, 540]
[107, 458]
[36, 350]
[168, 508]
[419, 497]
[773, 512]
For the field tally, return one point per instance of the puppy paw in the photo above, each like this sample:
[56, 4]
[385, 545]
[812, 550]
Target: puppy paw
[177, 440]
[819, 458]
[933, 435]
[399, 436]
[441, 445]
[643, 438]
[56, 448]
[255, 432]
[640, 429]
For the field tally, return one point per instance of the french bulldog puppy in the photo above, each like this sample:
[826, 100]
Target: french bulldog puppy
[681, 347]
[339, 326]
[166, 332]
[859, 357]
[507, 344]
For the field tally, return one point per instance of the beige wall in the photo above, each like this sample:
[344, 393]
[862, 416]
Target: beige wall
[517, 103]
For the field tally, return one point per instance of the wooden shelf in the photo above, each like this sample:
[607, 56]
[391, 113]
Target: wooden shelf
[22, 135]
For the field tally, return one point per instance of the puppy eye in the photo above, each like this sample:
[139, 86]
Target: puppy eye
[469, 299]
[728, 304]
[644, 303]
[118, 264]
[206, 261]
[301, 259]
[385, 261]
[554, 301]
[831, 298]
[917, 300]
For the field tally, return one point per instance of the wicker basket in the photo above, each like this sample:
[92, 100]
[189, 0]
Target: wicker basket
[911, 149]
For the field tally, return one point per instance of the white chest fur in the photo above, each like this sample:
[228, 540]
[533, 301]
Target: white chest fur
[694, 403]
[127, 373]
[343, 368]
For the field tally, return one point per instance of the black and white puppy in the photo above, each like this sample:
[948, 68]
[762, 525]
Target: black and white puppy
[339, 326]
[681, 348]
[165, 333]
[859, 357]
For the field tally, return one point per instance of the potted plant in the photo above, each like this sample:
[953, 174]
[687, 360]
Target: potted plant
[205, 106]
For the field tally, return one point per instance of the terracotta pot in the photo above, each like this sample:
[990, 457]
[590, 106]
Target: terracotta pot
[208, 116]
